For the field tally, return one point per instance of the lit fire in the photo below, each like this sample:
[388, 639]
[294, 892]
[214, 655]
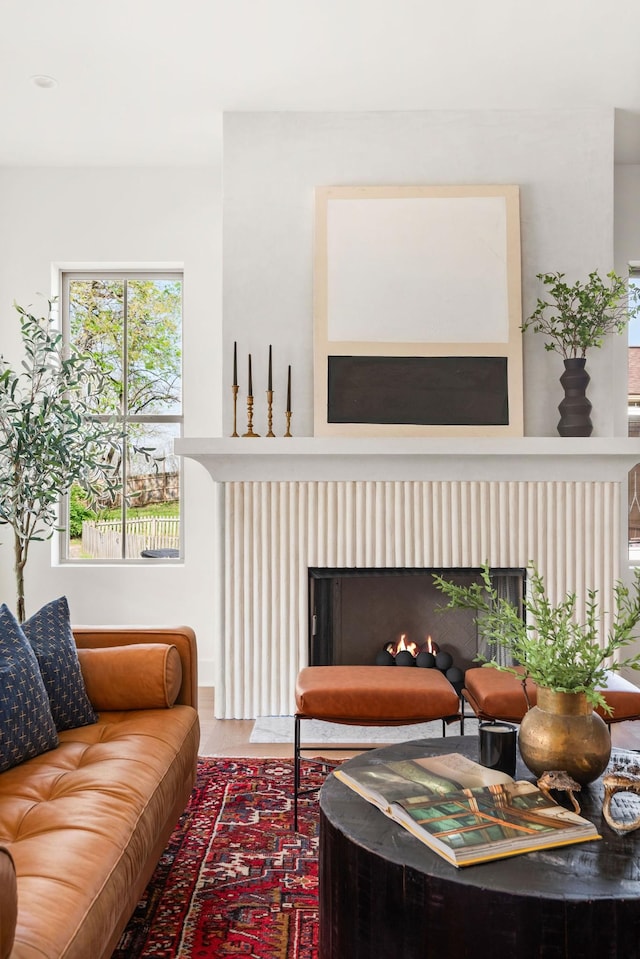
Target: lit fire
[401, 644]
[430, 646]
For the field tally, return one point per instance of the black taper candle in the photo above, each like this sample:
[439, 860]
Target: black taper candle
[235, 364]
[250, 379]
[270, 386]
[289, 391]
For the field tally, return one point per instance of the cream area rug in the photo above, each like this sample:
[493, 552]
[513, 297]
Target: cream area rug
[279, 729]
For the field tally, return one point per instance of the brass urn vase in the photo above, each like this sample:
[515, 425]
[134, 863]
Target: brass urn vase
[563, 732]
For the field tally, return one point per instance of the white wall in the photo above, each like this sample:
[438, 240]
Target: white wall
[50, 216]
[627, 216]
[562, 160]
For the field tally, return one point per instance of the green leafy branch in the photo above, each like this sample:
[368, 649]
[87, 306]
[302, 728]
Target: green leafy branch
[50, 437]
[579, 316]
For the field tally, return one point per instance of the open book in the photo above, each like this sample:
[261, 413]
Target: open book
[464, 811]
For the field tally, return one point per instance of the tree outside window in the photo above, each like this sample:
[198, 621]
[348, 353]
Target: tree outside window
[131, 324]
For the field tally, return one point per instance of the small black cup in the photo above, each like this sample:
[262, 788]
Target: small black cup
[498, 747]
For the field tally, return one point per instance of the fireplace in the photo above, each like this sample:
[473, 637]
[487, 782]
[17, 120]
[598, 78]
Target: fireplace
[276, 530]
[358, 615]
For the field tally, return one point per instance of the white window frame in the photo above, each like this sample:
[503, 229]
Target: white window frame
[66, 273]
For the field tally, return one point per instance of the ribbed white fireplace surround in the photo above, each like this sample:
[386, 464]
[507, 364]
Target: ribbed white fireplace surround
[562, 507]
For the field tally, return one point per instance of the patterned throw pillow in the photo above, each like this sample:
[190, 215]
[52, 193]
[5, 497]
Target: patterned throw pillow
[49, 632]
[26, 724]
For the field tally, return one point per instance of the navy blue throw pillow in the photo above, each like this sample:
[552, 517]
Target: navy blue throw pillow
[26, 724]
[50, 634]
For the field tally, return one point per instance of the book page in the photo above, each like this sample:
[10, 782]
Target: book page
[465, 772]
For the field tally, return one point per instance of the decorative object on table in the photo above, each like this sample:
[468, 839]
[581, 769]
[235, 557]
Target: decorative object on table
[50, 437]
[496, 816]
[270, 398]
[234, 389]
[288, 410]
[566, 660]
[560, 779]
[498, 746]
[563, 729]
[574, 319]
[250, 431]
[622, 779]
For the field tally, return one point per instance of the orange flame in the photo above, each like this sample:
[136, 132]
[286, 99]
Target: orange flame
[401, 644]
[430, 646]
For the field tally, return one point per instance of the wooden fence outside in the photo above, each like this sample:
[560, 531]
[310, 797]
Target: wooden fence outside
[102, 539]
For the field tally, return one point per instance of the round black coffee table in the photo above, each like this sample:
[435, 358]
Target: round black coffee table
[384, 895]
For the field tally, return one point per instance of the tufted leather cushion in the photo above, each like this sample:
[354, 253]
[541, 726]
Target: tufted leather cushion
[141, 676]
[374, 695]
[26, 724]
[8, 902]
[50, 635]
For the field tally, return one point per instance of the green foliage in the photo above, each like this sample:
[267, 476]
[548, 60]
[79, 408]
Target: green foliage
[49, 436]
[153, 340]
[170, 508]
[554, 649]
[79, 511]
[579, 317]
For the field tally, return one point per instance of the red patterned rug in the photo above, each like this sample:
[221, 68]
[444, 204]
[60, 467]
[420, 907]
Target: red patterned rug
[235, 880]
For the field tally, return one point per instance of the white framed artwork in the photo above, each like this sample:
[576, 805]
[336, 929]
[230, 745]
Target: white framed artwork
[417, 311]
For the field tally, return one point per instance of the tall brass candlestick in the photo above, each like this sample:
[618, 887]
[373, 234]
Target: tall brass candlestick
[270, 412]
[250, 418]
[288, 410]
[234, 390]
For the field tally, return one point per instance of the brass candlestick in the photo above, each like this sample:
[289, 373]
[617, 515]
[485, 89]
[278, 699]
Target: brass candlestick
[288, 415]
[270, 413]
[250, 418]
[235, 389]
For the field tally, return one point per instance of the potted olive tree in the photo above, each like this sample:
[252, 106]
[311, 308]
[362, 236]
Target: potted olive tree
[49, 437]
[564, 657]
[574, 318]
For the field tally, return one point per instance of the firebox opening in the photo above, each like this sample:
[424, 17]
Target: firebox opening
[356, 614]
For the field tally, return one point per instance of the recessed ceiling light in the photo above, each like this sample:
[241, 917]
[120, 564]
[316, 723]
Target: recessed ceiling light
[40, 80]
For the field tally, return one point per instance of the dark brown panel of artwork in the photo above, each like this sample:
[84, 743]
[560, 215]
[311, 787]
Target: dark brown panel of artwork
[419, 390]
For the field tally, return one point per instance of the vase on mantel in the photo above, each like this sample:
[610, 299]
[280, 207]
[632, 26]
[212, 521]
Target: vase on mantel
[575, 408]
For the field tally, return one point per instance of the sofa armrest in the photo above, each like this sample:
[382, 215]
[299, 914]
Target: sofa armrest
[182, 637]
[8, 903]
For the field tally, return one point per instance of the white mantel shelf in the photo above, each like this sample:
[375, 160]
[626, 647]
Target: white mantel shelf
[472, 458]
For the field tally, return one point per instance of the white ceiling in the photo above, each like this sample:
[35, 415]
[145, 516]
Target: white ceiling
[146, 81]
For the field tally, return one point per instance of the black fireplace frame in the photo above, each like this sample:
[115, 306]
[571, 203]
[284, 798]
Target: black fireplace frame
[322, 595]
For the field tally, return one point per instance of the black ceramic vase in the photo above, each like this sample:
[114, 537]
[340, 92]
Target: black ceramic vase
[575, 407]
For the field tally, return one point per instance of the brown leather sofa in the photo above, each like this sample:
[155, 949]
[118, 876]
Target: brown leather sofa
[83, 825]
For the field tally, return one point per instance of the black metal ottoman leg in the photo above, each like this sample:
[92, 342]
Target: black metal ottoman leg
[296, 770]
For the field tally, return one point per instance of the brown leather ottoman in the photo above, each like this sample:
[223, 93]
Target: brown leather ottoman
[493, 694]
[370, 696]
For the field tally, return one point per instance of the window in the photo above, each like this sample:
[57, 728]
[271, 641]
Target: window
[131, 324]
[633, 392]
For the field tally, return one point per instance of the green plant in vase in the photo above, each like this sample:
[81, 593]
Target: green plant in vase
[564, 657]
[574, 318]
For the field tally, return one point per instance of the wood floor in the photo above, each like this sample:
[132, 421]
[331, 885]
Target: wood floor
[230, 737]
